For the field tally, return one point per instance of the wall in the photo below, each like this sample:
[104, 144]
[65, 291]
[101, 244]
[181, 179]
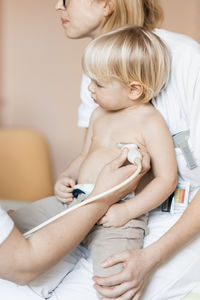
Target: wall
[40, 70]
[1, 60]
[182, 16]
[41, 76]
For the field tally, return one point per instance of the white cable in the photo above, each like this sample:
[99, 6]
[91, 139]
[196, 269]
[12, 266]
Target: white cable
[134, 156]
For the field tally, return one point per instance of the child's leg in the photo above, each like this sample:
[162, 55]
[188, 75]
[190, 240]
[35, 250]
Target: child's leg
[103, 242]
[37, 212]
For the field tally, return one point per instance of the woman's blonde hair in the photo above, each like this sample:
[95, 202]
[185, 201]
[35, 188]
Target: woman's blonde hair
[128, 54]
[145, 13]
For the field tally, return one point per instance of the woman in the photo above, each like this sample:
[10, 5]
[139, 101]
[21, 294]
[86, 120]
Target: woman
[179, 104]
[21, 260]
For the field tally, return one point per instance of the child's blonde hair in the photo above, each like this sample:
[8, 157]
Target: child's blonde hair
[145, 13]
[127, 54]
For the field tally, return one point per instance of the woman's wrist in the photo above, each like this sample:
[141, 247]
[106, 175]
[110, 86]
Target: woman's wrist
[163, 248]
[104, 201]
[155, 254]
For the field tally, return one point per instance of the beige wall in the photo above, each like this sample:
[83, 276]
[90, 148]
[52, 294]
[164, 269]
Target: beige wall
[182, 16]
[1, 58]
[40, 70]
[41, 75]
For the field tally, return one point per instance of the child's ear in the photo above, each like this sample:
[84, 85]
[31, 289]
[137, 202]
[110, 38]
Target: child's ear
[109, 6]
[135, 90]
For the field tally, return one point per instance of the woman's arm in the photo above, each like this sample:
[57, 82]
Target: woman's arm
[139, 264]
[22, 260]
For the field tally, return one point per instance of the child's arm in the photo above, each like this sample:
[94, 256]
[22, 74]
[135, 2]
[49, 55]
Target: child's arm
[67, 180]
[158, 141]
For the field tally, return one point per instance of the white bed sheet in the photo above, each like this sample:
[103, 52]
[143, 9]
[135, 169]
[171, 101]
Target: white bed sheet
[78, 284]
[11, 291]
[173, 281]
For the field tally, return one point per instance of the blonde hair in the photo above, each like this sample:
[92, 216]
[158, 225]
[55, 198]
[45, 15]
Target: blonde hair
[145, 13]
[127, 54]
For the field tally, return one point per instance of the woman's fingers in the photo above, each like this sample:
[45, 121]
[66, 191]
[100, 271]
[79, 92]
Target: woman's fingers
[130, 295]
[116, 291]
[120, 160]
[116, 259]
[138, 264]
[138, 295]
[145, 161]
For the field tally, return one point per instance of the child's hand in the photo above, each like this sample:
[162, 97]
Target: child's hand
[116, 216]
[63, 189]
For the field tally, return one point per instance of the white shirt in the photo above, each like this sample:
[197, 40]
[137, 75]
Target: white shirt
[6, 225]
[179, 102]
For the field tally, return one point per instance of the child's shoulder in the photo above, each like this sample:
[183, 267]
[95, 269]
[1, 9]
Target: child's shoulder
[96, 114]
[153, 122]
[149, 111]
[151, 117]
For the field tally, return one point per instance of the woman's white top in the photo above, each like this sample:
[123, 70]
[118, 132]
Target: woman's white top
[6, 225]
[179, 102]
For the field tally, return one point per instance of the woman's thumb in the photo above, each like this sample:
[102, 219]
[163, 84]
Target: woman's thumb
[119, 161]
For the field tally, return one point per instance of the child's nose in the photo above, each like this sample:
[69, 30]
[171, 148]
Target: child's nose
[60, 5]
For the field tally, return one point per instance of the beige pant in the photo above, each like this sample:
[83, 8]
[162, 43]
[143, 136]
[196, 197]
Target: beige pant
[102, 242]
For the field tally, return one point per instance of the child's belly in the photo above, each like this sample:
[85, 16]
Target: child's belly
[94, 163]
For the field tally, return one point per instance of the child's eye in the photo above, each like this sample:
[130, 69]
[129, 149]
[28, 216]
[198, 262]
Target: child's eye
[98, 84]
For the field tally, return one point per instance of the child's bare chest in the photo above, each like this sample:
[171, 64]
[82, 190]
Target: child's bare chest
[110, 130]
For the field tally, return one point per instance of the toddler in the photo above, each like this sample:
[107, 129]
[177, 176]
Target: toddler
[128, 67]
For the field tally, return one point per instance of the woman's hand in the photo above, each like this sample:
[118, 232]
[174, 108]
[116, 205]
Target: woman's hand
[115, 172]
[64, 188]
[129, 284]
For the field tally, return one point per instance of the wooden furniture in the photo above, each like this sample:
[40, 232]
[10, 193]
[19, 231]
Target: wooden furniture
[25, 169]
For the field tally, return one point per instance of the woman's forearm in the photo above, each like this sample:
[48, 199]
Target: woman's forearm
[26, 259]
[22, 260]
[186, 229]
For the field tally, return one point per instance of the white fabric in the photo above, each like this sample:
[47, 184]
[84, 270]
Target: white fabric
[179, 103]
[78, 284]
[12, 291]
[87, 104]
[45, 284]
[87, 189]
[6, 225]
[181, 274]
[172, 281]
